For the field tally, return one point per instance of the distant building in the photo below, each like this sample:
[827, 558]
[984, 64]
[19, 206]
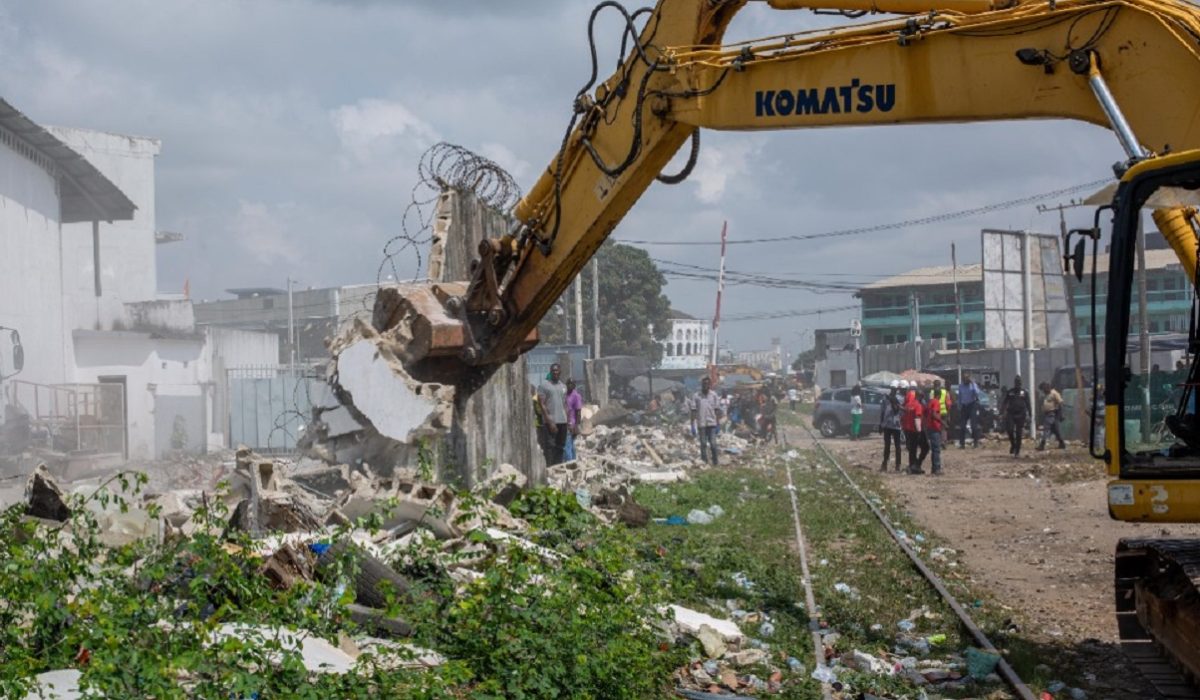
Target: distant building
[689, 344]
[1168, 295]
[920, 303]
[770, 360]
[837, 355]
[112, 369]
[315, 315]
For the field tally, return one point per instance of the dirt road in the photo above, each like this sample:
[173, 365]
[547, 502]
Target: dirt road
[1033, 531]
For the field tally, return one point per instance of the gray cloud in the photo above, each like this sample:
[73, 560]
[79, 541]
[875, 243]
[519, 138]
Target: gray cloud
[292, 128]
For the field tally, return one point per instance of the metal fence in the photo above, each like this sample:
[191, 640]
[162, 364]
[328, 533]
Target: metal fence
[72, 418]
[270, 405]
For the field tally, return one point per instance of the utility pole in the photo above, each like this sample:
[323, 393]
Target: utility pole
[578, 284]
[1080, 409]
[291, 323]
[716, 324]
[915, 300]
[1027, 281]
[958, 340]
[596, 306]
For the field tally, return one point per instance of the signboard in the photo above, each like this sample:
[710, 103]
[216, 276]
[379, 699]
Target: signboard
[1004, 290]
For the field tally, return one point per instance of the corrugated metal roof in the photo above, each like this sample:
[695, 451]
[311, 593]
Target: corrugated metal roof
[85, 193]
[927, 276]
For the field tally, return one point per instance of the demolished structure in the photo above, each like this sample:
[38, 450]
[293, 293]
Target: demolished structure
[381, 417]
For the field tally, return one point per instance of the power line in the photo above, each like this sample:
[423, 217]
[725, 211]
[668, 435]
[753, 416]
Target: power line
[937, 218]
[768, 315]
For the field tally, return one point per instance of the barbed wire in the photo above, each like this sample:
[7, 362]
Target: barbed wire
[443, 166]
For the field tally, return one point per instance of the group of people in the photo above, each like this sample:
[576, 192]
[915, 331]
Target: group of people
[710, 411]
[558, 408]
[918, 418]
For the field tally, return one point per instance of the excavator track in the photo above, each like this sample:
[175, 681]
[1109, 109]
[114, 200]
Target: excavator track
[1158, 612]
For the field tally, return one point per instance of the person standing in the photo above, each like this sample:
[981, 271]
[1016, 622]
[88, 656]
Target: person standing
[910, 422]
[706, 413]
[968, 408]
[793, 396]
[856, 411]
[934, 428]
[943, 397]
[889, 425]
[553, 403]
[723, 423]
[574, 404]
[1052, 404]
[1016, 409]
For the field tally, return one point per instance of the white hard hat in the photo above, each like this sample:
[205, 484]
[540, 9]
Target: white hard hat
[895, 383]
[903, 383]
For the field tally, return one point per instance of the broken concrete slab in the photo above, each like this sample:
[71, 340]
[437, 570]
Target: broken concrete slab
[57, 685]
[391, 655]
[328, 481]
[690, 621]
[397, 406]
[288, 566]
[43, 497]
[275, 512]
[318, 655]
[503, 485]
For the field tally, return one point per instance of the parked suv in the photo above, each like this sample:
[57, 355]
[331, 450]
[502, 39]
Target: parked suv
[831, 414]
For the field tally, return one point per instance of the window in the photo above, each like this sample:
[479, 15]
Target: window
[844, 394]
[872, 398]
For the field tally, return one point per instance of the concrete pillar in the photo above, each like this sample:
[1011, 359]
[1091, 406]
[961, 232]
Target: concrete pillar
[492, 425]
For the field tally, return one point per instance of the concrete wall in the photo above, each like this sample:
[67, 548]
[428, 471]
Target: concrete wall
[31, 297]
[151, 367]
[128, 269]
[898, 357]
[493, 425]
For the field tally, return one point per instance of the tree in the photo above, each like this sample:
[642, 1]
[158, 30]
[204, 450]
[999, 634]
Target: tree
[631, 304]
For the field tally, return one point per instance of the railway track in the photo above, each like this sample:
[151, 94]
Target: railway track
[1006, 671]
[1144, 654]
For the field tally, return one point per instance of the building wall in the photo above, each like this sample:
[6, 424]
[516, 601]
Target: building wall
[152, 367]
[128, 267]
[887, 314]
[31, 285]
[1168, 302]
[689, 344]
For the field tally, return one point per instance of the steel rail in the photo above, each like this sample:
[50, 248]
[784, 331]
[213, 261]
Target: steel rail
[1005, 670]
[810, 601]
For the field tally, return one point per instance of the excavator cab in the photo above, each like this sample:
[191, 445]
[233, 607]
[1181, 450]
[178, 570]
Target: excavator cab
[1146, 323]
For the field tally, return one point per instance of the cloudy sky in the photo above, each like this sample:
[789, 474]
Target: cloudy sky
[291, 131]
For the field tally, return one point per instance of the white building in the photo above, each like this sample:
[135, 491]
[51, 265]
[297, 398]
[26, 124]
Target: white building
[111, 370]
[770, 360]
[689, 344]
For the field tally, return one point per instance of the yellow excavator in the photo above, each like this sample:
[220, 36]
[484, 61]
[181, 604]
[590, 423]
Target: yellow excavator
[1132, 66]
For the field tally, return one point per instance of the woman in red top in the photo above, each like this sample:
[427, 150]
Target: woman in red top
[910, 422]
[933, 433]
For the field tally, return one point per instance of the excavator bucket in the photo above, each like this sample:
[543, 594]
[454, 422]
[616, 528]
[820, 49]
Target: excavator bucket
[428, 324]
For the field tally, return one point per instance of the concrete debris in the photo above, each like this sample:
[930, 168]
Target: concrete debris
[43, 497]
[711, 641]
[57, 685]
[318, 655]
[289, 565]
[503, 485]
[690, 621]
[276, 512]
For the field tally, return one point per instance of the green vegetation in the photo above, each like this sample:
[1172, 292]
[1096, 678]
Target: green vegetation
[139, 620]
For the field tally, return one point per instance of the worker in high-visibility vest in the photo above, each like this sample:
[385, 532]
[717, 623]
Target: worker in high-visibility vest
[943, 397]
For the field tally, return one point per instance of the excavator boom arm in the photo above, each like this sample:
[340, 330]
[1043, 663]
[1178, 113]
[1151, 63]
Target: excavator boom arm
[971, 64]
